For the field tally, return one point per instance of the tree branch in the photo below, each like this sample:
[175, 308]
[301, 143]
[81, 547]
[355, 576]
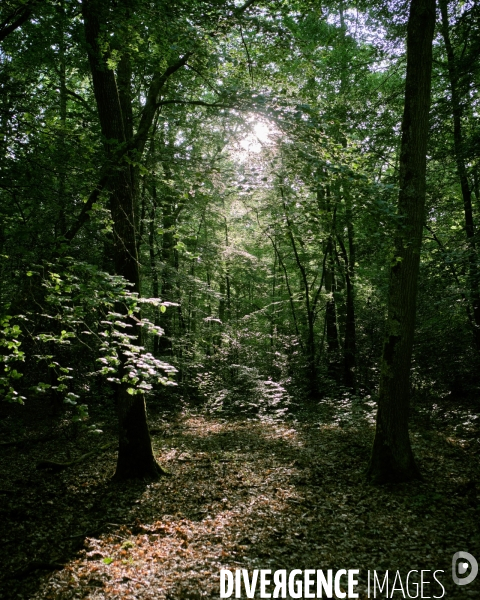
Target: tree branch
[24, 13]
[140, 138]
[138, 144]
[80, 99]
[148, 112]
[86, 208]
[196, 103]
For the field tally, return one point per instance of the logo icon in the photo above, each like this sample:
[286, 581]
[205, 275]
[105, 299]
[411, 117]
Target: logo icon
[460, 568]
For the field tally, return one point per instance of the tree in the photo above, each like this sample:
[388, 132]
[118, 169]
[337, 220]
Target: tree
[135, 455]
[123, 150]
[392, 456]
[460, 152]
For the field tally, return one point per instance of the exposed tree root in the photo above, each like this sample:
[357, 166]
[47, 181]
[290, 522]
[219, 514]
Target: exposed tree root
[59, 466]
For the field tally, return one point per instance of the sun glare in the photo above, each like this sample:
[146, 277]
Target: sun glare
[262, 131]
[254, 141]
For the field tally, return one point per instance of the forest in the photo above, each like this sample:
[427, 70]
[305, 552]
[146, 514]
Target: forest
[239, 298]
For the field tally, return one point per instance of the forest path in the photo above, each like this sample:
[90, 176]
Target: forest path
[243, 494]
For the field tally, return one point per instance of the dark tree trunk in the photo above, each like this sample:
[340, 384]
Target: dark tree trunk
[392, 456]
[348, 252]
[331, 314]
[328, 277]
[273, 320]
[225, 302]
[62, 174]
[331, 328]
[135, 455]
[227, 274]
[17, 18]
[349, 348]
[459, 146]
[289, 289]
[309, 310]
[169, 271]
[153, 265]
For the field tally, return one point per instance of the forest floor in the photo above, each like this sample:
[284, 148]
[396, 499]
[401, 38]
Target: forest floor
[243, 493]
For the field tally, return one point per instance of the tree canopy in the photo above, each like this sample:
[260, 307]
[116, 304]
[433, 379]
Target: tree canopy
[204, 196]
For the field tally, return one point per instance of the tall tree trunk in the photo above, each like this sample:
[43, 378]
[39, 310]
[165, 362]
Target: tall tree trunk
[309, 309]
[350, 331]
[135, 455]
[459, 146]
[171, 206]
[62, 176]
[331, 329]
[289, 289]
[153, 264]
[169, 270]
[348, 251]
[350, 347]
[331, 313]
[273, 319]
[392, 456]
[225, 302]
[227, 273]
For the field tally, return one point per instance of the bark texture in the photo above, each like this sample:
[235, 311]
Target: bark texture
[459, 146]
[135, 455]
[392, 457]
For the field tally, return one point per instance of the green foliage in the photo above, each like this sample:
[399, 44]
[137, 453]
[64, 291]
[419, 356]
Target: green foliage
[10, 332]
[78, 312]
[81, 292]
[243, 245]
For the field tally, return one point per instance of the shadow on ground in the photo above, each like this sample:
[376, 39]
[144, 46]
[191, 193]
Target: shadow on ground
[242, 494]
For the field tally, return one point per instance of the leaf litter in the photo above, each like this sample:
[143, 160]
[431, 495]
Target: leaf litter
[243, 494]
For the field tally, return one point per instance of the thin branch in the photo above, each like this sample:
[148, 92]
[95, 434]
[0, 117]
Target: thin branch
[290, 295]
[86, 208]
[148, 112]
[249, 60]
[80, 99]
[319, 289]
[200, 74]
[196, 103]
